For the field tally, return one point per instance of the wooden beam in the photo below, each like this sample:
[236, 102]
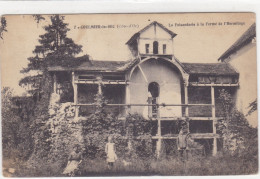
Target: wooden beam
[103, 82]
[183, 118]
[163, 105]
[193, 136]
[156, 39]
[143, 73]
[211, 84]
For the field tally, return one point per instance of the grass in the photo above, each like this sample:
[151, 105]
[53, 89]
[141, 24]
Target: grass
[173, 167]
[166, 167]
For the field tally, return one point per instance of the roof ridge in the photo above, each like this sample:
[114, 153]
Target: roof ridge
[201, 63]
[109, 60]
[137, 34]
[239, 42]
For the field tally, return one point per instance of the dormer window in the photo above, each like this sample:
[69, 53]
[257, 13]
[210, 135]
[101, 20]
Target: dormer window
[164, 48]
[147, 48]
[155, 47]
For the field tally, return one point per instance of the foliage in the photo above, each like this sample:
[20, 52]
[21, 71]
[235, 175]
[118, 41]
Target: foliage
[38, 18]
[16, 131]
[98, 127]
[3, 27]
[40, 130]
[234, 128]
[55, 49]
[132, 137]
[138, 131]
[252, 107]
[10, 120]
[54, 46]
[65, 132]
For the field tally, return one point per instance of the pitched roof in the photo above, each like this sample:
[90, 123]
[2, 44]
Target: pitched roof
[96, 65]
[136, 35]
[209, 68]
[242, 41]
[122, 66]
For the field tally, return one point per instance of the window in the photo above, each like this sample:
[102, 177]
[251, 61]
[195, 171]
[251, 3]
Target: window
[146, 48]
[155, 47]
[164, 48]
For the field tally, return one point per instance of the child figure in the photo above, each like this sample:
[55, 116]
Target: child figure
[110, 151]
[182, 143]
[75, 158]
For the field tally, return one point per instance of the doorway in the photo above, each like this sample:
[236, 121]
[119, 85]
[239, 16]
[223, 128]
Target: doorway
[154, 91]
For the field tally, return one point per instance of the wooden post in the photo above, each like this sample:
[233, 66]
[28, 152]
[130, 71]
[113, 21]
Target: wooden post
[54, 83]
[159, 131]
[186, 99]
[75, 89]
[214, 152]
[159, 142]
[99, 79]
[127, 97]
[186, 102]
[99, 88]
[213, 101]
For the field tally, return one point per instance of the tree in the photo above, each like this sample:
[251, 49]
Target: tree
[55, 49]
[3, 27]
[38, 18]
[10, 121]
[16, 111]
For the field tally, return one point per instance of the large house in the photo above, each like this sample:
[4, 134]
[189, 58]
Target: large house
[242, 56]
[156, 85]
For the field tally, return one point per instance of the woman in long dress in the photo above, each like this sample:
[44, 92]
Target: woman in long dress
[74, 160]
[111, 153]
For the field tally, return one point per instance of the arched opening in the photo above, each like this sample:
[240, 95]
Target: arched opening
[153, 88]
[155, 47]
[154, 91]
[171, 77]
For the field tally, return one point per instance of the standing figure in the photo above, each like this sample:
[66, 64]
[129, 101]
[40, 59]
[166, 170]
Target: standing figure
[111, 152]
[75, 158]
[182, 142]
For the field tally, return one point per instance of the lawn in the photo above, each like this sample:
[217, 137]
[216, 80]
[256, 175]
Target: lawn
[171, 167]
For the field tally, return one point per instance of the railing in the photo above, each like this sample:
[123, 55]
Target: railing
[157, 134]
[123, 109]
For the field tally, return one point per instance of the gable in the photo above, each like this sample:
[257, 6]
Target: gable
[148, 29]
[155, 31]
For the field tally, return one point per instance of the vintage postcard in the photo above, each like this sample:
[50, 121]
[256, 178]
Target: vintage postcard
[129, 94]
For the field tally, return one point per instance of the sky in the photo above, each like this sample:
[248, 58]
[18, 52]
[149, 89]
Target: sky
[195, 44]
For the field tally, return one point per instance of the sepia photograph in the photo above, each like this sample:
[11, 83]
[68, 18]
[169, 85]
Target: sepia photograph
[159, 94]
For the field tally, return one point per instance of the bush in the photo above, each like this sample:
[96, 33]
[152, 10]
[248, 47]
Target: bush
[131, 136]
[235, 130]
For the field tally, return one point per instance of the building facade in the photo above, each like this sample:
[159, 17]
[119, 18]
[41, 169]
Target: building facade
[242, 56]
[156, 85]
